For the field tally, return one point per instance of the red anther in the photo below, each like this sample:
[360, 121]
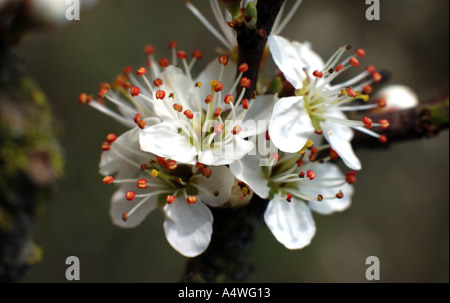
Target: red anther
[381, 102]
[275, 156]
[127, 70]
[84, 99]
[209, 99]
[170, 199]
[149, 49]
[125, 217]
[300, 163]
[216, 193]
[245, 82]
[191, 199]
[171, 164]
[161, 161]
[218, 87]
[384, 124]
[236, 130]
[157, 82]
[172, 95]
[310, 174]
[134, 91]
[197, 54]
[367, 89]
[312, 157]
[377, 77]
[160, 94]
[244, 104]
[289, 198]
[223, 59]
[317, 74]
[360, 52]
[338, 67]
[218, 128]
[314, 150]
[267, 135]
[367, 122]
[141, 71]
[353, 61]
[142, 124]
[106, 146]
[383, 138]
[137, 118]
[333, 155]
[228, 99]
[350, 177]
[207, 172]
[181, 54]
[371, 69]
[319, 197]
[243, 67]
[318, 132]
[198, 164]
[217, 112]
[104, 85]
[350, 92]
[108, 179]
[102, 92]
[110, 138]
[188, 114]
[301, 174]
[164, 62]
[178, 107]
[141, 183]
[340, 195]
[172, 44]
[130, 195]
[145, 166]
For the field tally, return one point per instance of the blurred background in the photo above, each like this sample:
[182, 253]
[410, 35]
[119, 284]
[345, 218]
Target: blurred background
[400, 211]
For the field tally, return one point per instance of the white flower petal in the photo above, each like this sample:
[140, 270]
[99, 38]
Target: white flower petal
[327, 185]
[120, 205]
[164, 140]
[256, 117]
[291, 223]
[249, 171]
[339, 137]
[188, 227]
[287, 59]
[127, 145]
[215, 190]
[290, 126]
[311, 60]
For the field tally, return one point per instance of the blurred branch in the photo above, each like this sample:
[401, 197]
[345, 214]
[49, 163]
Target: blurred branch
[425, 120]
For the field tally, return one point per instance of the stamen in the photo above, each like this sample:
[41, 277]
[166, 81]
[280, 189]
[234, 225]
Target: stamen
[191, 199]
[142, 183]
[188, 113]
[130, 195]
[160, 94]
[384, 124]
[110, 138]
[157, 82]
[350, 177]
[289, 198]
[141, 71]
[340, 195]
[164, 62]
[108, 179]
[106, 146]
[149, 49]
[367, 122]
[236, 130]
[170, 199]
[134, 91]
[360, 52]
[310, 174]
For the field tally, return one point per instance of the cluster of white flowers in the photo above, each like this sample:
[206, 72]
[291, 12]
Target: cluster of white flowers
[194, 142]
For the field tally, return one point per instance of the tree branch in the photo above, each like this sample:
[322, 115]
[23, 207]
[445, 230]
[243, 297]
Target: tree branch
[234, 230]
[425, 120]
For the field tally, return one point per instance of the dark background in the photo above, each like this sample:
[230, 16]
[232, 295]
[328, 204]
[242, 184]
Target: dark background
[400, 210]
